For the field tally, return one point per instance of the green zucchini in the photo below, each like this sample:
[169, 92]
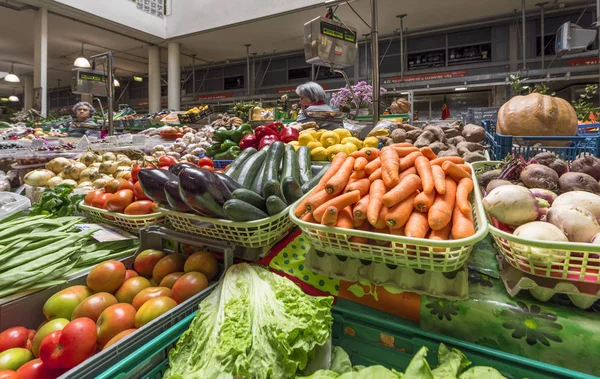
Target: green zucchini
[290, 164]
[291, 190]
[304, 165]
[250, 168]
[274, 161]
[275, 205]
[240, 211]
[258, 182]
[249, 197]
[272, 187]
[233, 171]
[306, 187]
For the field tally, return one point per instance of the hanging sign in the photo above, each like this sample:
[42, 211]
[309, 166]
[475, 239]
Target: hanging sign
[293, 89]
[215, 97]
[582, 62]
[433, 76]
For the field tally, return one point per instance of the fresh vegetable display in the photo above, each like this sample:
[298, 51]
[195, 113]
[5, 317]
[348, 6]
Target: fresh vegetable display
[325, 144]
[400, 190]
[277, 329]
[59, 201]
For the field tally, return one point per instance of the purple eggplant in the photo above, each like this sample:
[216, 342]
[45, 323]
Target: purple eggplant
[153, 180]
[203, 191]
[177, 167]
[229, 182]
[173, 197]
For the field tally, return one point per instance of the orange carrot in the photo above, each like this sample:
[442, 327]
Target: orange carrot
[441, 235]
[454, 171]
[390, 162]
[405, 173]
[308, 217]
[366, 152]
[465, 167]
[317, 199]
[399, 213]
[357, 222]
[424, 201]
[439, 179]
[330, 217]
[428, 153]
[360, 163]
[376, 174]
[440, 212]
[340, 202]
[358, 174]
[345, 219]
[364, 227]
[397, 231]
[463, 189]
[404, 151]
[439, 161]
[372, 166]
[338, 181]
[336, 163]
[462, 224]
[404, 189]
[402, 144]
[363, 185]
[416, 225]
[376, 193]
[380, 224]
[409, 160]
[349, 182]
[360, 209]
[424, 169]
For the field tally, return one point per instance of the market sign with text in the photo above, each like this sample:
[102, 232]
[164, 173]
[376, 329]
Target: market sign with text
[293, 89]
[582, 62]
[419, 78]
[215, 97]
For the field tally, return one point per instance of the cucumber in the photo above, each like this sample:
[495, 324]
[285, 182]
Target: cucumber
[258, 182]
[306, 187]
[275, 205]
[272, 187]
[304, 165]
[233, 171]
[290, 164]
[274, 161]
[250, 197]
[240, 211]
[291, 190]
[249, 169]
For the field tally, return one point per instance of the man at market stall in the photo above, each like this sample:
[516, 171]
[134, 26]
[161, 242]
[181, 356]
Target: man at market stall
[83, 123]
[312, 98]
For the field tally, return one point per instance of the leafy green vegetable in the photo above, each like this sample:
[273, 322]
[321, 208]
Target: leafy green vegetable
[58, 202]
[255, 324]
[481, 372]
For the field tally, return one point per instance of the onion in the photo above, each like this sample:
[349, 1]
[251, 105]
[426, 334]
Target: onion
[512, 205]
[539, 176]
[578, 224]
[540, 231]
[581, 199]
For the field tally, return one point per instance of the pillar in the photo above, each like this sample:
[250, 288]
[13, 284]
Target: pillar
[40, 61]
[174, 79]
[27, 92]
[154, 79]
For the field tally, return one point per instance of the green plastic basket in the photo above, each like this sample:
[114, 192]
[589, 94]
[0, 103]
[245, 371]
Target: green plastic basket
[564, 260]
[131, 223]
[370, 337]
[252, 234]
[419, 253]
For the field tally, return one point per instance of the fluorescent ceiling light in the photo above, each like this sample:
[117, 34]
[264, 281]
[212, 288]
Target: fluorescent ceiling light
[460, 89]
[13, 98]
[404, 93]
[82, 61]
[4, 99]
[11, 77]
[138, 78]
[116, 83]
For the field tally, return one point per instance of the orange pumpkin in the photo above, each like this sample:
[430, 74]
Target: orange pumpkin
[537, 115]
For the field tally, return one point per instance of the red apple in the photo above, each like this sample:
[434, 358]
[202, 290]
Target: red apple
[69, 347]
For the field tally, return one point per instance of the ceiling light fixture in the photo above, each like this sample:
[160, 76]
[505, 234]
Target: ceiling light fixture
[138, 78]
[460, 89]
[4, 99]
[116, 83]
[82, 61]
[13, 98]
[11, 77]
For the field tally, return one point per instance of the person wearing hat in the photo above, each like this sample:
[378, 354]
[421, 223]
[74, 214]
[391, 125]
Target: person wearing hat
[84, 124]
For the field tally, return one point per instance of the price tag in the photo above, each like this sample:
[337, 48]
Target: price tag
[107, 233]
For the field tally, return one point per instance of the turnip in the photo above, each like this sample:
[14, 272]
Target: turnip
[512, 205]
[587, 165]
[540, 231]
[578, 181]
[578, 224]
[539, 176]
[595, 239]
[552, 161]
[495, 183]
[544, 194]
[488, 176]
[581, 199]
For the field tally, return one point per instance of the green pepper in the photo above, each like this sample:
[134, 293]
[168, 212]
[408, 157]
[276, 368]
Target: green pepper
[222, 134]
[240, 132]
[227, 144]
[231, 153]
[213, 149]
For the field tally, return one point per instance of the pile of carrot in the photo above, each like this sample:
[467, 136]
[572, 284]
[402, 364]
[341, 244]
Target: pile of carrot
[400, 190]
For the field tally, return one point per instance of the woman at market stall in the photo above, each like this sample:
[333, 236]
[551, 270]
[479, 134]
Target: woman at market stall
[83, 123]
[312, 98]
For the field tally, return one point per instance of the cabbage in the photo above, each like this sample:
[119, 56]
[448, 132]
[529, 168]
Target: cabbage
[255, 324]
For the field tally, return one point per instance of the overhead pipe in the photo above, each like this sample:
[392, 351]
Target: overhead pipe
[375, 59]
[248, 68]
[401, 17]
[598, 28]
[523, 36]
[543, 44]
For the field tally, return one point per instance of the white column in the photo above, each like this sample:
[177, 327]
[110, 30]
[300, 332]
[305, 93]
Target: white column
[174, 79]
[40, 61]
[154, 79]
[27, 92]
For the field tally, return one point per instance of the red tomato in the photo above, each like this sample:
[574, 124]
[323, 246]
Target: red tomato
[17, 336]
[120, 200]
[118, 184]
[100, 200]
[141, 207]
[134, 172]
[36, 369]
[91, 196]
[206, 161]
[166, 160]
[69, 347]
[209, 168]
[9, 374]
[138, 192]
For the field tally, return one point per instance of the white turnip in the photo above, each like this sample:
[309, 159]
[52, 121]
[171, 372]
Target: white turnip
[587, 165]
[596, 239]
[578, 181]
[581, 199]
[539, 176]
[578, 224]
[512, 205]
[540, 231]
[544, 194]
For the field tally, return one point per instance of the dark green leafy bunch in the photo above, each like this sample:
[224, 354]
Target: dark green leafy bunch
[57, 202]
[242, 110]
[584, 106]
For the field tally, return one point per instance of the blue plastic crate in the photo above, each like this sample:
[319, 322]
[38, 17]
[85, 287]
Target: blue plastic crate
[586, 141]
[220, 164]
